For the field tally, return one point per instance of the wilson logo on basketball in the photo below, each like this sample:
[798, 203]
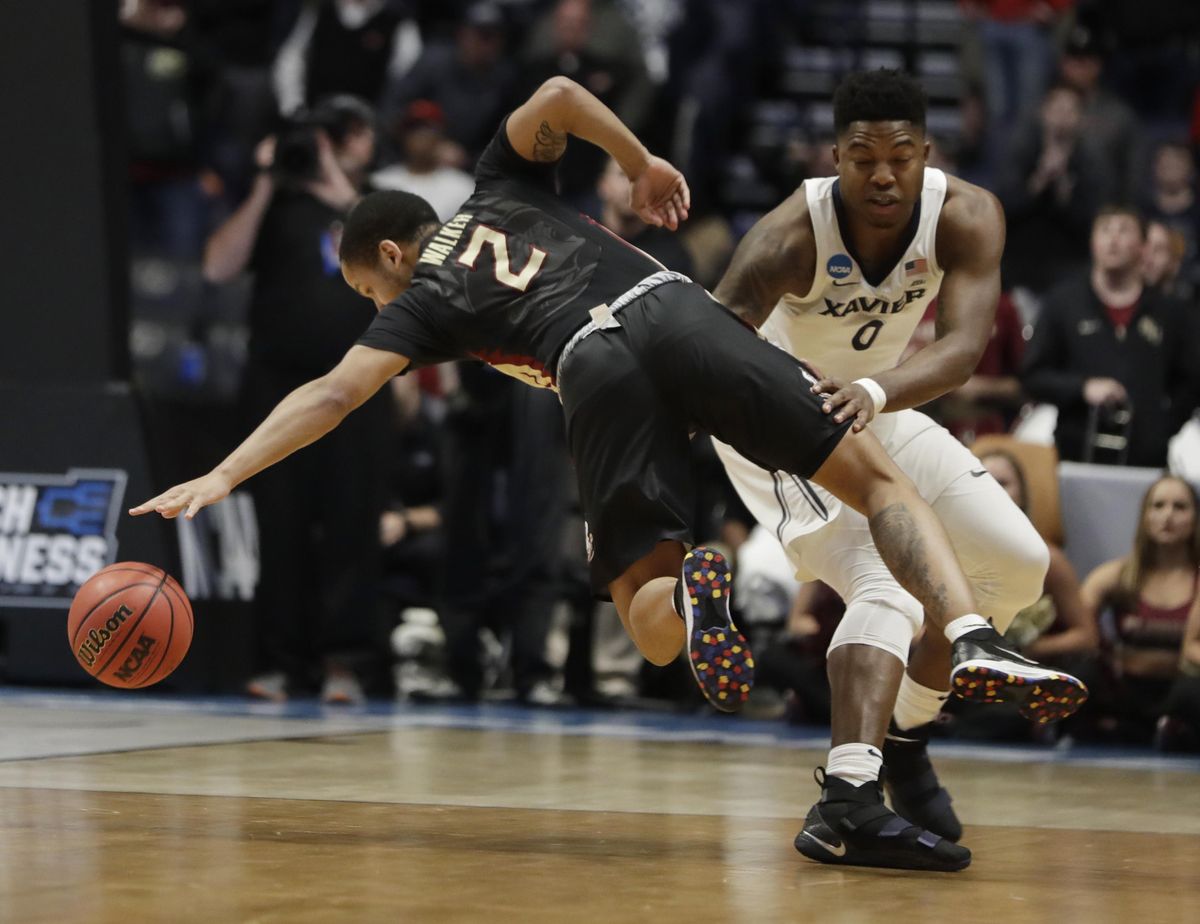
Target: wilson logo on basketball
[136, 657]
[96, 639]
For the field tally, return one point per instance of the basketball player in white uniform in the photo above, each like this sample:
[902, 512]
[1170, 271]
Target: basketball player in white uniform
[839, 275]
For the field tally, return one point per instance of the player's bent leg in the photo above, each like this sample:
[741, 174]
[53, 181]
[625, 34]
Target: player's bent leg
[910, 539]
[668, 599]
[916, 549]
[1001, 552]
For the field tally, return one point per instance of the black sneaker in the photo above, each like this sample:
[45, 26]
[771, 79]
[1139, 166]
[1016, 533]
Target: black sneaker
[718, 654]
[987, 671]
[852, 826]
[912, 785]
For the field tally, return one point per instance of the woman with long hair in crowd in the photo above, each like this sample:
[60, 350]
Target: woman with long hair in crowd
[1150, 593]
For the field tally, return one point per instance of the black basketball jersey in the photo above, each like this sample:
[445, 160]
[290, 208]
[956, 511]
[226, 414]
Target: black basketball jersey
[511, 277]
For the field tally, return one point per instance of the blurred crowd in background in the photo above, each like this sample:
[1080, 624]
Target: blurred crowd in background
[423, 549]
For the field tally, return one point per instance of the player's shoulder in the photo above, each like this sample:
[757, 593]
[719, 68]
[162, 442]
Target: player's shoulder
[969, 208]
[792, 219]
[971, 224]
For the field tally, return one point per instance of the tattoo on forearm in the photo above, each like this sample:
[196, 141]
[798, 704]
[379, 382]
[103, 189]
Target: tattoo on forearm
[904, 551]
[548, 145]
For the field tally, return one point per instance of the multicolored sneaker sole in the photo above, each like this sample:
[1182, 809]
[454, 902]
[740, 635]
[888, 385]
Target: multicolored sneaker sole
[718, 653]
[1050, 696]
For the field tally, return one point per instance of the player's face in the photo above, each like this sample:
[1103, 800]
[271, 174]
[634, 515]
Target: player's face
[385, 281]
[1116, 242]
[1170, 512]
[881, 169]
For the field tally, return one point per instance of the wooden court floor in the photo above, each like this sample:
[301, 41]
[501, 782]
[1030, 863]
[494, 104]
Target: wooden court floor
[442, 824]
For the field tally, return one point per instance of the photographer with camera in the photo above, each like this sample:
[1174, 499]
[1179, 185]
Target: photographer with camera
[1116, 358]
[318, 512]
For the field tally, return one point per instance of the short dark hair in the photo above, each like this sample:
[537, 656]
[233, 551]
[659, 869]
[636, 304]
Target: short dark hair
[388, 215]
[884, 95]
[1120, 208]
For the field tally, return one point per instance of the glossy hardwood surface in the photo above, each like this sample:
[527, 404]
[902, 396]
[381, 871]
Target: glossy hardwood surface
[453, 825]
[112, 857]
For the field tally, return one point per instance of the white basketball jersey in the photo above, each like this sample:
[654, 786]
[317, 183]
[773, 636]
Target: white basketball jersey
[848, 329]
[845, 326]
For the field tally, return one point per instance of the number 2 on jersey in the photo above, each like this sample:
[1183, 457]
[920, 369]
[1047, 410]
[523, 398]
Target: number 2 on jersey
[498, 241]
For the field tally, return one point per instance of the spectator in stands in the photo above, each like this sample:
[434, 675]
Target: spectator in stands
[1049, 185]
[319, 509]
[593, 43]
[1110, 130]
[506, 503]
[1178, 728]
[1017, 54]
[617, 214]
[410, 528]
[1171, 198]
[345, 46]
[471, 79]
[794, 663]
[1149, 594]
[421, 134]
[1163, 261]
[1103, 343]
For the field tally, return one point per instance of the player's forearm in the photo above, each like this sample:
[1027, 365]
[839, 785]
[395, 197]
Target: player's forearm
[929, 373]
[303, 417]
[579, 113]
[228, 249]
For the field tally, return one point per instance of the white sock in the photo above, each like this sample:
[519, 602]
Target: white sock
[964, 624]
[916, 704]
[854, 763]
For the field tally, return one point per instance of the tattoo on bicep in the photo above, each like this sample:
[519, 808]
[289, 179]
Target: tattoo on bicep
[904, 551]
[548, 145]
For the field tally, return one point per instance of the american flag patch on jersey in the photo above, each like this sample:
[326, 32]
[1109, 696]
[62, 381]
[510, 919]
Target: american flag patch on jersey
[915, 267]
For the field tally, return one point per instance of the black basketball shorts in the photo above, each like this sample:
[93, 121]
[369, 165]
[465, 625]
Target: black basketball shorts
[633, 394]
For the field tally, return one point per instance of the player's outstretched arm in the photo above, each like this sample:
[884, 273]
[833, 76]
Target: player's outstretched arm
[538, 131]
[303, 417]
[776, 256]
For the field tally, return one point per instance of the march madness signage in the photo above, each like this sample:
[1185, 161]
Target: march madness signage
[56, 531]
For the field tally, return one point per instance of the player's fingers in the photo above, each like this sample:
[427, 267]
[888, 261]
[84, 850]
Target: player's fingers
[847, 410]
[685, 194]
[672, 216]
[835, 400]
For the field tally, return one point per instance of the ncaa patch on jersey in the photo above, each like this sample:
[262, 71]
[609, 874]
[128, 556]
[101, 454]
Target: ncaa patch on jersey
[839, 266]
[56, 531]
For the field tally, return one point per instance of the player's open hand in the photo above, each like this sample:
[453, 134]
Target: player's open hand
[846, 401]
[186, 498]
[660, 195]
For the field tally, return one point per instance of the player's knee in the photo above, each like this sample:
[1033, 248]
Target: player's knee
[1021, 567]
[888, 623]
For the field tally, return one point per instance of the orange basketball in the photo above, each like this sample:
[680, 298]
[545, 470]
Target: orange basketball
[130, 624]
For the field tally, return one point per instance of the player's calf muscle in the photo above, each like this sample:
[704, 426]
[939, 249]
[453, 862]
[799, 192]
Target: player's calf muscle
[904, 550]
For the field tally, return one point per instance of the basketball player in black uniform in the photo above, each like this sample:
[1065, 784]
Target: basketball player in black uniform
[639, 356]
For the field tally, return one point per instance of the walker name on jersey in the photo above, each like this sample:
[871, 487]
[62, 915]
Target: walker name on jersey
[445, 240]
[56, 531]
[867, 305]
